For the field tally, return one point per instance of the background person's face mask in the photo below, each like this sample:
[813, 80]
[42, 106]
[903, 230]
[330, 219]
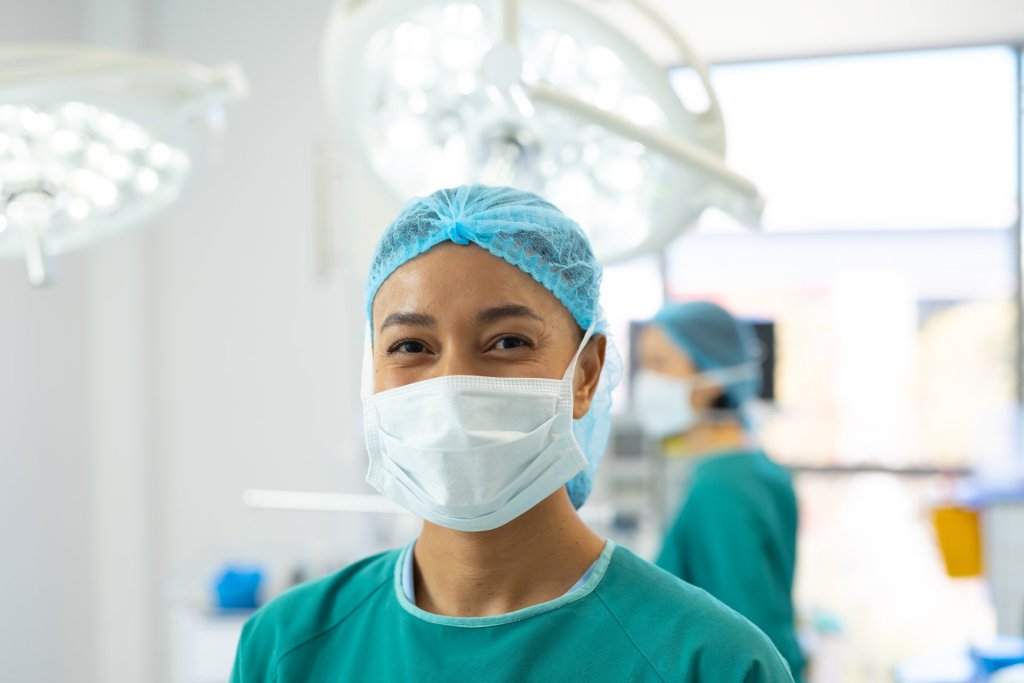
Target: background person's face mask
[663, 405]
[468, 452]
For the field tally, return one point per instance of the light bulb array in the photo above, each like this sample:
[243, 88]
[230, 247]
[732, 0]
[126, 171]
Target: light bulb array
[544, 95]
[73, 161]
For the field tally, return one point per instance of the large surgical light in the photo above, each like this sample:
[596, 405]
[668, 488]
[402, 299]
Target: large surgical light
[544, 95]
[94, 141]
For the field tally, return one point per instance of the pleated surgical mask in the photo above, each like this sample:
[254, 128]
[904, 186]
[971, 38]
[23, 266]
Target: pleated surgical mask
[469, 452]
[663, 404]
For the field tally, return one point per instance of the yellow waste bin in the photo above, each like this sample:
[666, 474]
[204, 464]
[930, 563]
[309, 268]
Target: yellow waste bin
[959, 534]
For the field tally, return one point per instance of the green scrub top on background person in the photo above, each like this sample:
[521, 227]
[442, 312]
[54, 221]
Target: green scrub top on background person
[628, 621]
[735, 537]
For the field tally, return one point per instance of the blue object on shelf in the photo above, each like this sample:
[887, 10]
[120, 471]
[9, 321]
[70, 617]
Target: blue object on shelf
[237, 587]
[998, 654]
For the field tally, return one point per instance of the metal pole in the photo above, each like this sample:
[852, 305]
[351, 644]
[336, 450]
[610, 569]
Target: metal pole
[509, 18]
[31, 213]
[1018, 233]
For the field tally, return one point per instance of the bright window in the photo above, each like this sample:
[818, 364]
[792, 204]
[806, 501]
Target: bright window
[916, 140]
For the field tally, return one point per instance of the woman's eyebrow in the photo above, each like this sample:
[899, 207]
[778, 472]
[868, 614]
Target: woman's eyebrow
[410, 319]
[509, 311]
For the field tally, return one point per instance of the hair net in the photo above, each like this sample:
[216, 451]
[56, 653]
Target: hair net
[535, 236]
[714, 340]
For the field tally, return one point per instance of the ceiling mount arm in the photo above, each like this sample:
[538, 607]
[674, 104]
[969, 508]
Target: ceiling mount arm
[667, 144]
[509, 22]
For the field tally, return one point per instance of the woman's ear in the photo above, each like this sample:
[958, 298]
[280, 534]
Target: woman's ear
[588, 372]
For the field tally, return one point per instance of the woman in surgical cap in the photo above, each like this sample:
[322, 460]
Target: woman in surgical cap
[486, 407]
[735, 534]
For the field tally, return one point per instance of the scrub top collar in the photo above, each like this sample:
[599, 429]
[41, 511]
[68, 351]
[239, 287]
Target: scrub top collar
[405, 592]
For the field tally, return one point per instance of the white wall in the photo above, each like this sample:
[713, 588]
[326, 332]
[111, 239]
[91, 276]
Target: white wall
[52, 20]
[45, 476]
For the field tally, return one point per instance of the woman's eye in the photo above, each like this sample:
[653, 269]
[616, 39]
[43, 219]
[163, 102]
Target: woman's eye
[406, 347]
[509, 343]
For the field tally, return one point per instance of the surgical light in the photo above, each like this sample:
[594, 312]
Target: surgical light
[94, 141]
[545, 95]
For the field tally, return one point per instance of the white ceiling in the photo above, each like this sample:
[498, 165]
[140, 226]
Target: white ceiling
[719, 30]
[731, 30]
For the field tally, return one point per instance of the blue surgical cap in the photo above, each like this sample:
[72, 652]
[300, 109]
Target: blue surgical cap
[534, 235]
[519, 227]
[714, 340]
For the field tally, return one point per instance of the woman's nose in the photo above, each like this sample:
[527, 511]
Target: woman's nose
[455, 362]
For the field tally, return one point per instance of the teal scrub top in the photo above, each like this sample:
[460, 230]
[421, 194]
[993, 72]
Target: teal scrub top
[735, 537]
[629, 621]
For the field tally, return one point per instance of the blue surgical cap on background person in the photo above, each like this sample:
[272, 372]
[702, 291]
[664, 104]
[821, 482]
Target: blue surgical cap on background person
[714, 340]
[535, 236]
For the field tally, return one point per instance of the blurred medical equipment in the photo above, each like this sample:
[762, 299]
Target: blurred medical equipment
[1011, 674]
[95, 141]
[545, 95]
[1004, 561]
[980, 534]
[978, 521]
[958, 530]
[203, 644]
[1001, 653]
[238, 587]
[936, 667]
[997, 660]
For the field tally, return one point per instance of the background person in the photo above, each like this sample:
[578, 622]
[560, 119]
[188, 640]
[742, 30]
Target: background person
[735, 534]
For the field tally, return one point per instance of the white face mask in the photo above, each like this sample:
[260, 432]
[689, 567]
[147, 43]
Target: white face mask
[663, 405]
[471, 453]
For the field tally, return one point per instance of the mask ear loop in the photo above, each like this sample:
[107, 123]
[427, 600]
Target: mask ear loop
[570, 372]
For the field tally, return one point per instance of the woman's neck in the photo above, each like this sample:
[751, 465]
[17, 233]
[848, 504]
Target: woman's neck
[534, 558]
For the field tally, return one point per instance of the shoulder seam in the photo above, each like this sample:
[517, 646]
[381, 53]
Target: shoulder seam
[281, 657]
[629, 637]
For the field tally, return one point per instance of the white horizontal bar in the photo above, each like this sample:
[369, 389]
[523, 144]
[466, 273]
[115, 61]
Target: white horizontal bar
[319, 501]
[325, 501]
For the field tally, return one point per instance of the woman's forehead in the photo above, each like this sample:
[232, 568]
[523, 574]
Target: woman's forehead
[453, 279]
